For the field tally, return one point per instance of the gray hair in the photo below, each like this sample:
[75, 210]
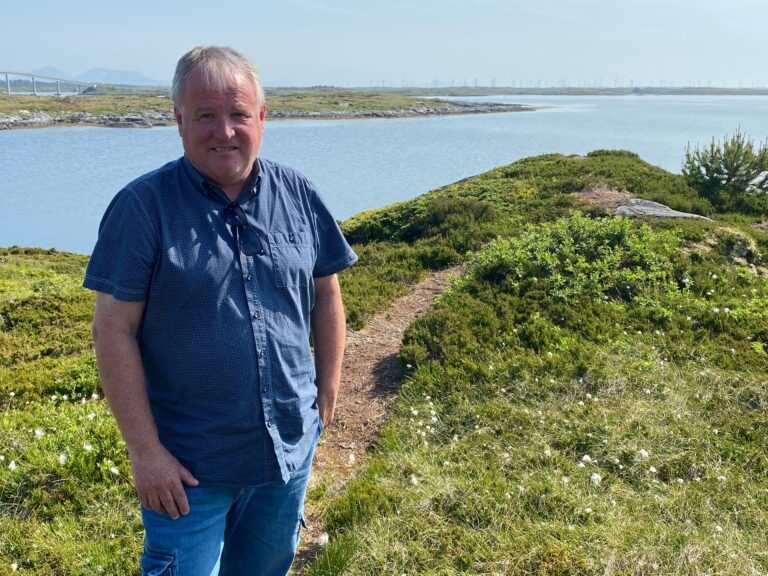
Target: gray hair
[218, 65]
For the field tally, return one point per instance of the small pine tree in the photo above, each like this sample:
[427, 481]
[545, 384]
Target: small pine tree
[732, 175]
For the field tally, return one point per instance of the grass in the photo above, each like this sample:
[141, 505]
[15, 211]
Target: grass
[571, 335]
[278, 100]
[589, 399]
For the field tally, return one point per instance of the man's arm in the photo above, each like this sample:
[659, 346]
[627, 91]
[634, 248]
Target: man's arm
[329, 333]
[157, 474]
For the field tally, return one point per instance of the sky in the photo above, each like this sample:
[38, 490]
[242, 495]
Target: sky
[406, 43]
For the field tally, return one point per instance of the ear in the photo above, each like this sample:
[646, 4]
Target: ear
[263, 112]
[177, 114]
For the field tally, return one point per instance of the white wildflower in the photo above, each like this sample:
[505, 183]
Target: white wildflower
[679, 480]
[12, 394]
[114, 470]
[351, 458]
[95, 396]
[714, 276]
[414, 480]
[581, 403]
[323, 539]
[716, 310]
[595, 478]
[547, 452]
[14, 566]
[721, 478]
[719, 529]
[643, 453]
[565, 480]
[586, 458]
[12, 465]
[588, 510]
[62, 459]
[88, 446]
[581, 465]
[91, 416]
[39, 432]
[726, 310]
[652, 470]
[446, 463]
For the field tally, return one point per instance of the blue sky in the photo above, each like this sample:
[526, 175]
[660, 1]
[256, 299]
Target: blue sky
[396, 42]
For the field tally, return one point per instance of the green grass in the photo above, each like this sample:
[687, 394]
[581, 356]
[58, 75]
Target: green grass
[278, 100]
[589, 399]
[570, 335]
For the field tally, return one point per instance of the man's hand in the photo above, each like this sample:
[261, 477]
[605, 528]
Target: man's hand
[326, 405]
[159, 480]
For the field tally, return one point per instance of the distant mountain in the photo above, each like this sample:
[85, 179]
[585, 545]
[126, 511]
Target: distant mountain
[124, 77]
[53, 72]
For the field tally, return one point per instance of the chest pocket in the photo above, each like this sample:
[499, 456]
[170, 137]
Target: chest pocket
[292, 258]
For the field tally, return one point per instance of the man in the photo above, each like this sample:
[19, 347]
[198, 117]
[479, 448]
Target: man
[210, 272]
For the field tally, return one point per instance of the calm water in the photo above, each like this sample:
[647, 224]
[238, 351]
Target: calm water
[56, 182]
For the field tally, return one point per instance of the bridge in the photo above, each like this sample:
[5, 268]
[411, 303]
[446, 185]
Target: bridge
[36, 77]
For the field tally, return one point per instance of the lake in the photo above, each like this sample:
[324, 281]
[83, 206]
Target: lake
[56, 182]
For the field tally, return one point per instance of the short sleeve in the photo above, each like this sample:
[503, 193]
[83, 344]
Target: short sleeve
[126, 251]
[334, 254]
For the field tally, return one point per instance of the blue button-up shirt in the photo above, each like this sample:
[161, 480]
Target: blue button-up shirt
[225, 336]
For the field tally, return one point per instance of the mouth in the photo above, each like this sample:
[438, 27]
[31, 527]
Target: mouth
[224, 148]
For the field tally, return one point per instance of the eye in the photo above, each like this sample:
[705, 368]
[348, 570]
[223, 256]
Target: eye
[205, 117]
[240, 115]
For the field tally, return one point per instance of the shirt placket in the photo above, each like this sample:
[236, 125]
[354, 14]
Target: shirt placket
[256, 311]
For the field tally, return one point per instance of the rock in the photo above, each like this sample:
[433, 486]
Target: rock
[638, 207]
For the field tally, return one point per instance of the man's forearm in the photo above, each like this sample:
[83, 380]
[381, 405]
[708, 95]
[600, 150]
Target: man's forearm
[329, 333]
[122, 378]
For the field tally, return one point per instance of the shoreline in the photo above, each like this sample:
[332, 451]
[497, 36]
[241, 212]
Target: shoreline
[153, 119]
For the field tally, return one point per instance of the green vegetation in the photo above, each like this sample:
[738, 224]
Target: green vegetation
[732, 175]
[109, 102]
[339, 100]
[96, 105]
[590, 398]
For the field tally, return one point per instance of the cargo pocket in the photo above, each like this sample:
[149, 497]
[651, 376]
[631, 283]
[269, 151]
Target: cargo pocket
[292, 258]
[156, 563]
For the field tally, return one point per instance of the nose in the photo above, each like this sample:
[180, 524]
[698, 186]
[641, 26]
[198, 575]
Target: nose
[224, 129]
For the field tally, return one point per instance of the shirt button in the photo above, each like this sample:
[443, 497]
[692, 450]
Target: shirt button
[261, 353]
[256, 315]
[266, 389]
[249, 277]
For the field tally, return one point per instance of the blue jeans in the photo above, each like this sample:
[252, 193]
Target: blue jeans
[229, 531]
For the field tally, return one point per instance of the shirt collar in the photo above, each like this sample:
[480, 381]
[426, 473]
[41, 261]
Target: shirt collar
[211, 190]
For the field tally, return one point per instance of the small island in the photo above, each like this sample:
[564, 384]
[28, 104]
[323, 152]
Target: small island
[145, 110]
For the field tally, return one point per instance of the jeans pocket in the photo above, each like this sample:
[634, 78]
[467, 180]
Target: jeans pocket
[156, 563]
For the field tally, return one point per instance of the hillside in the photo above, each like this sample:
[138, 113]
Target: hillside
[589, 398]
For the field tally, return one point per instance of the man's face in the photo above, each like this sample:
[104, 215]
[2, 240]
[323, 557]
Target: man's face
[221, 129]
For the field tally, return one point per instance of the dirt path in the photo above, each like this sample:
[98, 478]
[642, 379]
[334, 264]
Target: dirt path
[370, 378]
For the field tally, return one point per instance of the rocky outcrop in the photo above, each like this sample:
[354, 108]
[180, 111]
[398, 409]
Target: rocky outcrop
[147, 119]
[26, 119]
[638, 207]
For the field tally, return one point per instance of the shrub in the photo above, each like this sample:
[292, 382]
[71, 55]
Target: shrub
[732, 175]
